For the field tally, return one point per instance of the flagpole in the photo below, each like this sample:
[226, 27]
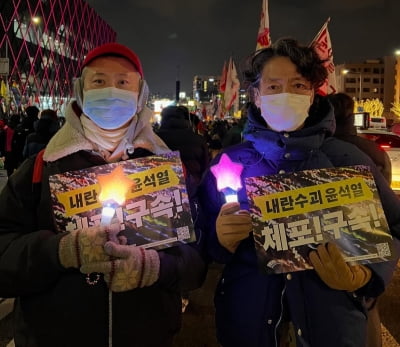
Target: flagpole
[323, 47]
[320, 31]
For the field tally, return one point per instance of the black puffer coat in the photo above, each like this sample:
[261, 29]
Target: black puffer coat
[176, 132]
[55, 306]
[250, 306]
[346, 131]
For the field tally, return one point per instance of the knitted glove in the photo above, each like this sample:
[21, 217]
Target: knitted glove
[83, 246]
[132, 267]
[233, 225]
[328, 262]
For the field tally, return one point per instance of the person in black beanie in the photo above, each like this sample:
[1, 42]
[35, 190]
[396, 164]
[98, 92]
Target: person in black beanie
[343, 106]
[176, 131]
[46, 127]
[32, 113]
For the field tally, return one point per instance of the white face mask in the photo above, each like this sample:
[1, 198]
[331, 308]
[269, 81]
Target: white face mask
[110, 108]
[285, 111]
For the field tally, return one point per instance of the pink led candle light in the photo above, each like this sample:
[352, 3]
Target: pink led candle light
[227, 173]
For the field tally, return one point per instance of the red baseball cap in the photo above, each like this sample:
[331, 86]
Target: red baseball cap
[115, 49]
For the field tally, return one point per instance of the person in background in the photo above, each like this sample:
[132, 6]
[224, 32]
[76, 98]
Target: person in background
[234, 134]
[12, 148]
[107, 122]
[29, 119]
[289, 129]
[199, 125]
[215, 147]
[343, 106]
[176, 131]
[45, 128]
[2, 137]
[26, 127]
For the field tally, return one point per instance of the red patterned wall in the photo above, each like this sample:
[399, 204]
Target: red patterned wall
[45, 41]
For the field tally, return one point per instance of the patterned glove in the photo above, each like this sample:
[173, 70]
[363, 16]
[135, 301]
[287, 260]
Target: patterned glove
[131, 267]
[328, 262]
[233, 225]
[83, 246]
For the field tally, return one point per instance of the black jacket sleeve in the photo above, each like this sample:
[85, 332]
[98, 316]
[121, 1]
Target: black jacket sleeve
[28, 254]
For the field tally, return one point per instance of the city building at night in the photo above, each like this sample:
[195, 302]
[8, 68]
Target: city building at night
[205, 88]
[371, 79]
[42, 43]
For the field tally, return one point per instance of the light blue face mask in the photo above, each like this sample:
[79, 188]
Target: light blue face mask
[110, 108]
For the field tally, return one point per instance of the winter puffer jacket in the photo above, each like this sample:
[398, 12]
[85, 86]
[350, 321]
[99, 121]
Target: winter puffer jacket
[176, 132]
[249, 305]
[55, 306]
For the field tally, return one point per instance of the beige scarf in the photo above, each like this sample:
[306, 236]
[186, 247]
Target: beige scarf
[72, 138]
[106, 140]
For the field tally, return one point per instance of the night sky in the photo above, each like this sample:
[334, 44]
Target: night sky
[187, 38]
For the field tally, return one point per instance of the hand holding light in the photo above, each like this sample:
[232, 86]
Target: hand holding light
[133, 267]
[227, 173]
[233, 225]
[86, 245]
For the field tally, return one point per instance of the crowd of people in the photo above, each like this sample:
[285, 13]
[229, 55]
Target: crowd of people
[286, 127]
[25, 134]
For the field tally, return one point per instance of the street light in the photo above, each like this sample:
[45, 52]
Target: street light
[36, 20]
[346, 72]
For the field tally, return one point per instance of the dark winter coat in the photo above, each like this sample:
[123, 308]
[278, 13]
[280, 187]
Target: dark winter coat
[55, 306]
[346, 131]
[234, 134]
[250, 305]
[176, 132]
[36, 141]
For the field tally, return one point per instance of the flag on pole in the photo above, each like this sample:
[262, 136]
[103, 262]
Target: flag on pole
[220, 111]
[222, 82]
[222, 87]
[232, 85]
[323, 46]
[263, 37]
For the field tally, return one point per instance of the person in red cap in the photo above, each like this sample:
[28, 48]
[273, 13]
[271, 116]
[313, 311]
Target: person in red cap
[108, 121]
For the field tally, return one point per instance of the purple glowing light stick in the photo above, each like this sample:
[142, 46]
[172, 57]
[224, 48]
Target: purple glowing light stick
[227, 173]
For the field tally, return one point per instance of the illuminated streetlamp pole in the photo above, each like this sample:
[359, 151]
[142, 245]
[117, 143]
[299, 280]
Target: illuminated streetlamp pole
[346, 72]
[397, 77]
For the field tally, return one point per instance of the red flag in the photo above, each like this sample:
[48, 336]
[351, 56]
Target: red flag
[232, 85]
[222, 82]
[323, 46]
[263, 37]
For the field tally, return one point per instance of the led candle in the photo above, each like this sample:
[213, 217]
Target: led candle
[114, 188]
[227, 174]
